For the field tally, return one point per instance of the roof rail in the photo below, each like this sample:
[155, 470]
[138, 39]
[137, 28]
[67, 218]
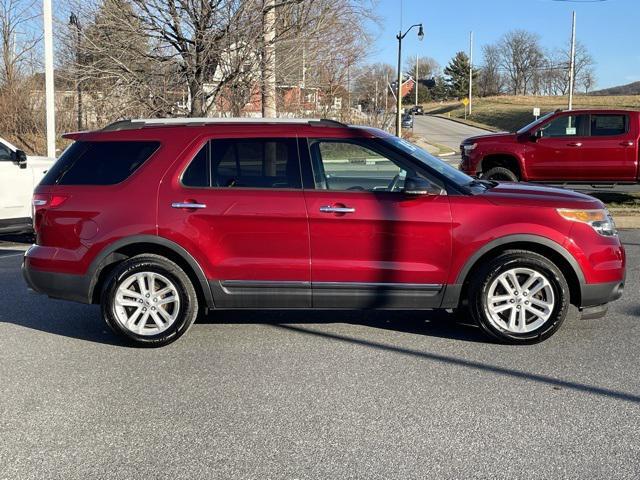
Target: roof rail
[132, 124]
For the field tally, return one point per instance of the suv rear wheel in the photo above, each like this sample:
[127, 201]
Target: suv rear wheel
[519, 297]
[149, 300]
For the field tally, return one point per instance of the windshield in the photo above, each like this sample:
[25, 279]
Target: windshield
[456, 176]
[534, 124]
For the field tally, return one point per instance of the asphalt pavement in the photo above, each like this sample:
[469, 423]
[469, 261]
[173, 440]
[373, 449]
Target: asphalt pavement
[443, 131]
[306, 395]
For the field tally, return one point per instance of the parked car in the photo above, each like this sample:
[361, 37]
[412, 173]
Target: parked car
[407, 121]
[579, 146]
[416, 110]
[19, 174]
[161, 220]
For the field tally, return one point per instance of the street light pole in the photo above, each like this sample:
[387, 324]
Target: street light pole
[400, 36]
[48, 76]
[572, 60]
[470, 71]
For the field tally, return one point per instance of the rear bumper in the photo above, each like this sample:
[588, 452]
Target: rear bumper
[64, 286]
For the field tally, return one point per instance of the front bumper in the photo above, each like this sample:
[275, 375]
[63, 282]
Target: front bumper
[600, 293]
[64, 286]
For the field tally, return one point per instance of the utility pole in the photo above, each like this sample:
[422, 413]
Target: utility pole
[572, 60]
[269, 59]
[386, 93]
[470, 71]
[74, 21]
[416, 79]
[48, 76]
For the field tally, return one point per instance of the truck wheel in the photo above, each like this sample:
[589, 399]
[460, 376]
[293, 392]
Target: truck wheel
[500, 174]
[149, 300]
[519, 297]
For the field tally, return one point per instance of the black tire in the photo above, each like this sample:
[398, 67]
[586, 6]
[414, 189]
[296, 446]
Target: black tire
[484, 277]
[187, 309]
[500, 174]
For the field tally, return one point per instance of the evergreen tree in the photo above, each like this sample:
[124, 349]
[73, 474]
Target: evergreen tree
[457, 75]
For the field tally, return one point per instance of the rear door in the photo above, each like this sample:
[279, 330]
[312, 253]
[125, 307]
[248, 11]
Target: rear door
[237, 205]
[559, 152]
[609, 153]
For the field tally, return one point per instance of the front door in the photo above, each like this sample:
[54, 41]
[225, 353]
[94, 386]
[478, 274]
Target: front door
[372, 245]
[558, 154]
[238, 207]
[16, 189]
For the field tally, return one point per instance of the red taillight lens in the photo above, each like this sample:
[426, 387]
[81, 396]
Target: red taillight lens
[42, 202]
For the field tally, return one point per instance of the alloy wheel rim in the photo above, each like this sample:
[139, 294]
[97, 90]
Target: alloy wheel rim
[146, 303]
[520, 300]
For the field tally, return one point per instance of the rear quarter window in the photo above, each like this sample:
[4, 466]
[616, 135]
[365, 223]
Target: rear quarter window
[99, 163]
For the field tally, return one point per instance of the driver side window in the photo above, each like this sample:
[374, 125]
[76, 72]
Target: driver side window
[348, 165]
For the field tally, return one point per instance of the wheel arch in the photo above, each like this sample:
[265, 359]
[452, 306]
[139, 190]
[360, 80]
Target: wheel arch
[503, 159]
[128, 247]
[542, 245]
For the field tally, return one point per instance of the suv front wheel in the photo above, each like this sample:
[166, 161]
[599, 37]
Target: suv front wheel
[149, 300]
[519, 297]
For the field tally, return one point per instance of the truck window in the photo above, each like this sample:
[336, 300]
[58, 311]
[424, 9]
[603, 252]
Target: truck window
[5, 153]
[603, 125]
[567, 126]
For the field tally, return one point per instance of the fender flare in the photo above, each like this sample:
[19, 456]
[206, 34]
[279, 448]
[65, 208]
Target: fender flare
[108, 256]
[519, 238]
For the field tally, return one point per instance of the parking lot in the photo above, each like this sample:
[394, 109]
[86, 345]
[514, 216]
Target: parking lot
[315, 395]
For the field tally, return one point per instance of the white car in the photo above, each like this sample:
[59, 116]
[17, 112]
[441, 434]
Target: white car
[19, 175]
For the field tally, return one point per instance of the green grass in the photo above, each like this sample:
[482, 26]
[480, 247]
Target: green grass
[512, 112]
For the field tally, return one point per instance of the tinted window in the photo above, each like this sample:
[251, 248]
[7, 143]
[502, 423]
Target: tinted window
[99, 163]
[567, 126]
[5, 153]
[604, 125]
[198, 174]
[249, 163]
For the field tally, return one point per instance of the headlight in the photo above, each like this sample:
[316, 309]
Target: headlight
[600, 220]
[469, 147]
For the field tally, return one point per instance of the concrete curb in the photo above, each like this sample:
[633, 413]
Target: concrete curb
[462, 122]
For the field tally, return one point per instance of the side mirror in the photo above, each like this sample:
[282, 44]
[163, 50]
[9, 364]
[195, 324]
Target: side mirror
[20, 159]
[537, 135]
[419, 186]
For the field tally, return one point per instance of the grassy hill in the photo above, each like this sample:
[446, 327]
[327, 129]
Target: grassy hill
[512, 112]
[628, 89]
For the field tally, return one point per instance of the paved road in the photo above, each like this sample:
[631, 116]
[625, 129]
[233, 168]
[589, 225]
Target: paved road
[315, 395]
[443, 131]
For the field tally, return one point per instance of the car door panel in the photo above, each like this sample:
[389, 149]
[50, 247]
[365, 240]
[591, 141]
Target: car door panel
[253, 243]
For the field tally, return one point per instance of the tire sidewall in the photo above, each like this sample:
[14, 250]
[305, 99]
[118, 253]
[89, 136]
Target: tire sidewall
[186, 293]
[541, 265]
[502, 171]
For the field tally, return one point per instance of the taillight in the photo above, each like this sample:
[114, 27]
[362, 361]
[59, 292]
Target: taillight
[41, 202]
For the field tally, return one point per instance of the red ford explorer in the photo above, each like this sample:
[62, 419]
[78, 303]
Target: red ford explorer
[161, 220]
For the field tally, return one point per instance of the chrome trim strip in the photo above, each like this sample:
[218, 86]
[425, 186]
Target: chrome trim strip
[264, 284]
[324, 285]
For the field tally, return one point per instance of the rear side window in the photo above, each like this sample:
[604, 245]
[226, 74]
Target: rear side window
[99, 163]
[249, 163]
[608, 125]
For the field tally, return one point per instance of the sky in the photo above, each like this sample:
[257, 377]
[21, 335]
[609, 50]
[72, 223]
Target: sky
[609, 29]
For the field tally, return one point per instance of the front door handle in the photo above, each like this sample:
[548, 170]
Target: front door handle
[330, 209]
[627, 143]
[188, 205]
[575, 144]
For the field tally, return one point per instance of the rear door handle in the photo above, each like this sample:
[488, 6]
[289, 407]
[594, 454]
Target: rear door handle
[330, 209]
[188, 205]
[575, 144]
[627, 143]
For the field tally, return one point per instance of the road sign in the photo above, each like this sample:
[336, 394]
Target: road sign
[536, 112]
[465, 101]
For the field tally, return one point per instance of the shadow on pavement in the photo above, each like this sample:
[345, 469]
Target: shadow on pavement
[482, 367]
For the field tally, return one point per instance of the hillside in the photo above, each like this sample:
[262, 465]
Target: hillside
[628, 89]
[512, 112]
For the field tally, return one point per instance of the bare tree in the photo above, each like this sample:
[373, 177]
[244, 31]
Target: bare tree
[491, 80]
[427, 67]
[520, 57]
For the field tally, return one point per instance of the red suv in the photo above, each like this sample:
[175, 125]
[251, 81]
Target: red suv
[160, 220]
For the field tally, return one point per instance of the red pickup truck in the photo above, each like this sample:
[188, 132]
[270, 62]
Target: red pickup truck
[578, 146]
